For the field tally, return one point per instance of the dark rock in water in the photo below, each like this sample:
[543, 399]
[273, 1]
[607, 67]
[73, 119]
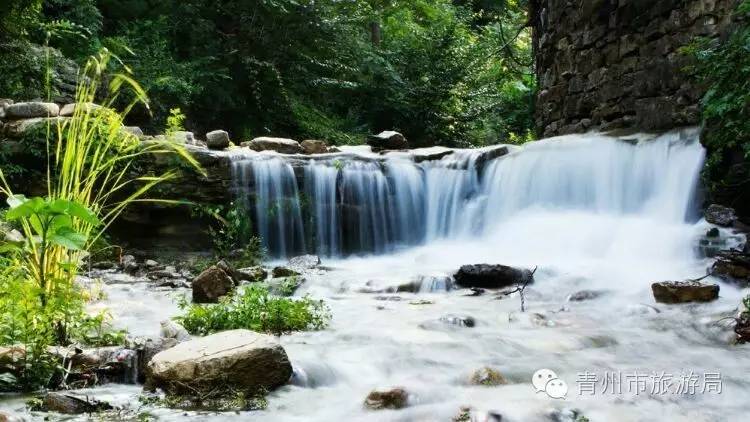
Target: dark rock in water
[227, 362]
[283, 272]
[582, 295]
[487, 377]
[211, 284]
[720, 215]
[69, 404]
[488, 156]
[459, 320]
[396, 398]
[742, 328]
[488, 276]
[684, 291]
[566, 415]
[103, 265]
[304, 262]
[387, 140]
[732, 266]
[713, 232]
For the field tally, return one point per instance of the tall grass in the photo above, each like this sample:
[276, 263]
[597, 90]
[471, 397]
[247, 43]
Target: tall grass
[90, 160]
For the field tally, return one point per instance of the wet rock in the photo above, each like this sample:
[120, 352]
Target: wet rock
[487, 377]
[488, 276]
[387, 140]
[396, 398]
[742, 328]
[304, 262]
[464, 415]
[18, 128]
[183, 137]
[684, 291]
[252, 274]
[284, 286]
[9, 417]
[566, 415]
[732, 266]
[70, 404]
[280, 145]
[217, 139]
[104, 265]
[239, 360]
[283, 272]
[129, 264]
[211, 284]
[31, 109]
[230, 270]
[171, 329]
[430, 154]
[488, 155]
[459, 320]
[150, 263]
[583, 295]
[310, 146]
[720, 215]
[420, 302]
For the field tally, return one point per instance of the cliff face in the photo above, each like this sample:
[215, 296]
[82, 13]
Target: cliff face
[607, 64]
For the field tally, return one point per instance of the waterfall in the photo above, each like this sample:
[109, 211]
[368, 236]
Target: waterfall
[336, 205]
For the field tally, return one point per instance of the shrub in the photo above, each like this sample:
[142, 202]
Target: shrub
[257, 310]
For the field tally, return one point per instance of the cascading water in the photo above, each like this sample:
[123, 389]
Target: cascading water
[355, 204]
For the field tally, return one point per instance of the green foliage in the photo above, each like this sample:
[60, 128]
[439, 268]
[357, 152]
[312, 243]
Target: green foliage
[723, 65]
[255, 309]
[175, 122]
[232, 234]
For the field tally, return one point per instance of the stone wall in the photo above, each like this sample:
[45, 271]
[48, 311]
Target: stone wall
[607, 64]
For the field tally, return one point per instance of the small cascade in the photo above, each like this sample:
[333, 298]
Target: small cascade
[358, 203]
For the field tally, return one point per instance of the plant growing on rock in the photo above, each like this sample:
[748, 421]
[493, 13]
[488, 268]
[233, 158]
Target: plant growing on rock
[255, 309]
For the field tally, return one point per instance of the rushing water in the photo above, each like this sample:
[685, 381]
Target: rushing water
[592, 213]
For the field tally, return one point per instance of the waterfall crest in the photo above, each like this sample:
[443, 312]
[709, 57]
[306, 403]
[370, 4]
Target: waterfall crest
[337, 205]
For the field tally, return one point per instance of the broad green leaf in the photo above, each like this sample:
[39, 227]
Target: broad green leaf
[25, 208]
[69, 238]
[76, 210]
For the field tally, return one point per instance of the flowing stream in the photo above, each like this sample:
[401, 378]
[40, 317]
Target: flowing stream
[592, 213]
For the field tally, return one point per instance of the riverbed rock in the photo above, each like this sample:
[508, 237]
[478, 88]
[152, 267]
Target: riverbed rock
[283, 272]
[29, 110]
[720, 215]
[237, 359]
[303, 262]
[395, 398]
[684, 291]
[488, 276]
[387, 140]
[280, 145]
[19, 128]
[173, 330]
[217, 139]
[252, 274]
[284, 286]
[732, 266]
[70, 404]
[583, 295]
[488, 377]
[311, 146]
[211, 284]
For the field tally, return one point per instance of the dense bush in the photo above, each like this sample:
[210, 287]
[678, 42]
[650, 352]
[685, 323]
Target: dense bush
[724, 66]
[254, 308]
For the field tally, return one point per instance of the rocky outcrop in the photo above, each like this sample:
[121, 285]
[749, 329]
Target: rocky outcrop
[684, 291]
[610, 63]
[280, 145]
[217, 139]
[720, 215]
[387, 140]
[732, 266]
[310, 146]
[491, 276]
[211, 284]
[239, 360]
[31, 109]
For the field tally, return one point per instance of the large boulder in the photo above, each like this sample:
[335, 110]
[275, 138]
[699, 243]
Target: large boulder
[387, 140]
[314, 147]
[69, 109]
[239, 360]
[684, 291]
[211, 284]
[31, 109]
[217, 139]
[280, 145]
[303, 262]
[19, 128]
[720, 215]
[488, 276]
